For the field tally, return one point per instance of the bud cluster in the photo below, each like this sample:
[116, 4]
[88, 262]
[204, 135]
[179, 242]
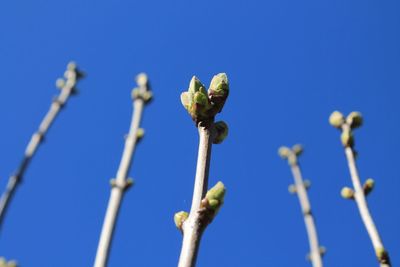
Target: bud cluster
[203, 105]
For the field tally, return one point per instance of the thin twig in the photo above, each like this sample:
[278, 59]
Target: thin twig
[301, 190]
[141, 96]
[353, 121]
[362, 205]
[67, 88]
[193, 227]
[202, 107]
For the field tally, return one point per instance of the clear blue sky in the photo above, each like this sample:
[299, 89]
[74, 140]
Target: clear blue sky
[290, 64]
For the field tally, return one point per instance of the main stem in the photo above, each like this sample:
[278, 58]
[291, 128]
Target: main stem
[117, 191]
[315, 253]
[33, 145]
[362, 204]
[193, 227]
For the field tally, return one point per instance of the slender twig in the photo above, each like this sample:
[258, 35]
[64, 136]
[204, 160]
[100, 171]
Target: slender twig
[202, 107]
[300, 187]
[141, 96]
[67, 88]
[354, 120]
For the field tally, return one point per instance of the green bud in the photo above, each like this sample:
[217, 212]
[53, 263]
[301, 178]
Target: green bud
[221, 129]
[336, 119]
[347, 138]
[187, 99]
[140, 133]
[284, 152]
[196, 86]
[180, 218]
[297, 149]
[219, 90]
[292, 189]
[60, 83]
[71, 65]
[347, 193]
[368, 186]
[354, 119]
[215, 196]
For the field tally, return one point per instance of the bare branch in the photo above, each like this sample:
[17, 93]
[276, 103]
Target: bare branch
[141, 96]
[67, 88]
[353, 121]
[300, 187]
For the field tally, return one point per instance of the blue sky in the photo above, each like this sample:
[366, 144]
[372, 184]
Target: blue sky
[290, 64]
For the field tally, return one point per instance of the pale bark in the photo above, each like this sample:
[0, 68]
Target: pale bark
[362, 204]
[194, 226]
[315, 253]
[121, 181]
[67, 89]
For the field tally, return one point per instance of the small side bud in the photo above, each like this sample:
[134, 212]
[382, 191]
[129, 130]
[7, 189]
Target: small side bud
[60, 83]
[219, 90]
[322, 250]
[382, 255]
[142, 79]
[347, 138]
[71, 65]
[284, 152]
[368, 186]
[354, 119]
[140, 133]
[307, 184]
[215, 196]
[129, 183]
[297, 149]
[113, 182]
[221, 129]
[347, 193]
[180, 218]
[336, 119]
[292, 189]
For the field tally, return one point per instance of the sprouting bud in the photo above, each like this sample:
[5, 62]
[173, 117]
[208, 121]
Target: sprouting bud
[60, 83]
[196, 101]
[221, 129]
[347, 138]
[71, 65]
[354, 119]
[142, 79]
[180, 218]
[215, 196]
[147, 96]
[382, 255]
[347, 193]
[196, 86]
[129, 183]
[307, 184]
[368, 186]
[297, 149]
[284, 152]
[336, 119]
[292, 189]
[140, 133]
[322, 250]
[219, 90]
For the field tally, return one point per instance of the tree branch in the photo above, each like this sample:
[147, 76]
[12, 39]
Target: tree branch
[67, 88]
[301, 190]
[353, 121]
[141, 96]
